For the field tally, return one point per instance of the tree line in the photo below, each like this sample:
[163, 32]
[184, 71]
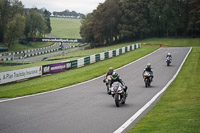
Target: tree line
[68, 13]
[125, 20]
[17, 23]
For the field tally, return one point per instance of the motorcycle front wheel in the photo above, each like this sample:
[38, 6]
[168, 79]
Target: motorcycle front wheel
[146, 83]
[117, 99]
[124, 99]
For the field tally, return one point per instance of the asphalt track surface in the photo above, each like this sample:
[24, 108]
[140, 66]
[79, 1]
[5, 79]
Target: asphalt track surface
[86, 108]
[41, 57]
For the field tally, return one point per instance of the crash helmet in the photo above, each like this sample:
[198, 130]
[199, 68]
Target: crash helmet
[110, 70]
[115, 75]
[168, 54]
[148, 65]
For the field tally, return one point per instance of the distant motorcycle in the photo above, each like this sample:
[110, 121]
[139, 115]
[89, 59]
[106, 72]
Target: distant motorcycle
[118, 93]
[147, 78]
[168, 61]
[107, 82]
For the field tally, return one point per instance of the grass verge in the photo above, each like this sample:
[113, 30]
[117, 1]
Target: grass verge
[174, 42]
[178, 109]
[65, 27]
[72, 76]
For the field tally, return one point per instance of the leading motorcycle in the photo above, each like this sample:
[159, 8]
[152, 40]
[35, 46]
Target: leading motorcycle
[168, 61]
[147, 78]
[118, 93]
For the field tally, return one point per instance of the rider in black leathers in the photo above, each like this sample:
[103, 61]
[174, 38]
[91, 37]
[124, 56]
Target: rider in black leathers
[149, 69]
[115, 78]
[110, 72]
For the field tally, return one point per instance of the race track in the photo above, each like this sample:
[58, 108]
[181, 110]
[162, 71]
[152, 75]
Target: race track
[86, 108]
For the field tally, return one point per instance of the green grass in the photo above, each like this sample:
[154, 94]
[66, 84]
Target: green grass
[72, 76]
[178, 110]
[65, 27]
[174, 42]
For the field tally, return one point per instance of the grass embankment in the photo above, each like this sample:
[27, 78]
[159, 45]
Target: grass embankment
[178, 110]
[65, 27]
[72, 76]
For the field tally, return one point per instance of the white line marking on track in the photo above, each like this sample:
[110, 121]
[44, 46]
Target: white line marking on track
[11, 99]
[139, 112]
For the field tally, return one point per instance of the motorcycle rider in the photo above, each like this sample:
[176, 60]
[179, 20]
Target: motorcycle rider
[149, 69]
[169, 55]
[115, 78]
[110, 72]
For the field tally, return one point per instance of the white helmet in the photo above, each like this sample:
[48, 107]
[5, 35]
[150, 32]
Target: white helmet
[111, 69]
[148, 65]
[168, 54]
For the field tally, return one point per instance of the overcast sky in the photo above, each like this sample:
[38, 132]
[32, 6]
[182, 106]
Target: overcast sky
[80, 6]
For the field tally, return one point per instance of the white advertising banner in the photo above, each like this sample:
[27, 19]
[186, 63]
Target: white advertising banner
[11, 76]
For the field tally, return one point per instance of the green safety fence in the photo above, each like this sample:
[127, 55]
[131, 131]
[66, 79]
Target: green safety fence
[97, 57]
[106, 54]
[126, 49]
[131, 48]
[87, 60]
[74, 64]
[120, 51]
[135, 46]
[114, 53]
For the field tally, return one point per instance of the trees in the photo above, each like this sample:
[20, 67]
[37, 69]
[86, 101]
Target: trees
[168, 17]
[125, 20]
[135, 16]
[15, 29]
[194, 18]
[4, 13]
[70, 14]
[86, 29]
[17, 23]
[11, 21]
[101, 27]
[47, 20]
[35, 23]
